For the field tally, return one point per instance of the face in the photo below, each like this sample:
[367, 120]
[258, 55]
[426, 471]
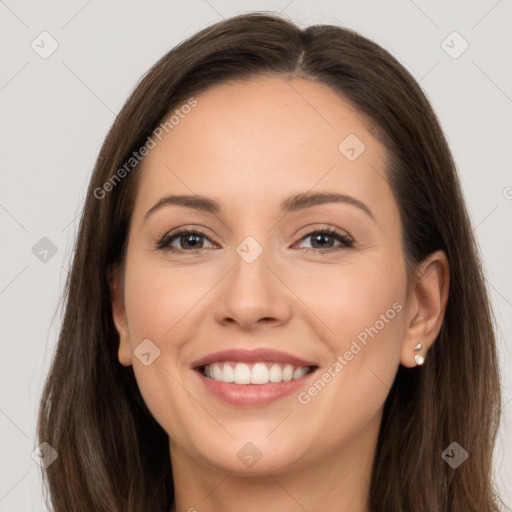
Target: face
[276, 277]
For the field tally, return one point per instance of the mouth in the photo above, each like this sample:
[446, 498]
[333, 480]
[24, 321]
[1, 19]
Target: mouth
[253, 378]
[259, 373]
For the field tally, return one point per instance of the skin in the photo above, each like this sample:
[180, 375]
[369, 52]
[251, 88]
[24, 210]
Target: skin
[249, 145]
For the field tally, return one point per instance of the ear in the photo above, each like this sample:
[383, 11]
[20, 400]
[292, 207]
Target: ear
[426, 307]
[116, 283]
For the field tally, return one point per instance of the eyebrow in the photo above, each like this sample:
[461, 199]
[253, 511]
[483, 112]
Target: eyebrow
[291, 204]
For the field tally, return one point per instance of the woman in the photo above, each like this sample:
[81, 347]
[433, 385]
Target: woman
[276, 299]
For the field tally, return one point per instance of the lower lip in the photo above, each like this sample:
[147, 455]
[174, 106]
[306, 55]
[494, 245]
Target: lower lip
[252, 395]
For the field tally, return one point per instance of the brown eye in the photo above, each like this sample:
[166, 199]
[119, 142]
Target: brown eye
[189, 240]
[323, 240]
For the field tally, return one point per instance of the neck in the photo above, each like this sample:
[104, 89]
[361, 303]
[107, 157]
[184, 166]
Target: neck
[339, 481]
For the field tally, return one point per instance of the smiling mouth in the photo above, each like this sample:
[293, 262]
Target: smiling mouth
[258, 373]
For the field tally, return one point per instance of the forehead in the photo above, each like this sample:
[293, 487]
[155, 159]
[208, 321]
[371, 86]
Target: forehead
[266, 138]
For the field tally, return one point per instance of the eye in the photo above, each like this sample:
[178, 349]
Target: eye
[324, 239]
[189, 239]
[192, 241]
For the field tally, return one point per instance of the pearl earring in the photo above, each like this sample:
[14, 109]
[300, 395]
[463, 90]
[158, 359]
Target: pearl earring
[417, 356]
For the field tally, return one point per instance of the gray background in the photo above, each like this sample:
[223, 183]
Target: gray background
[56, 112]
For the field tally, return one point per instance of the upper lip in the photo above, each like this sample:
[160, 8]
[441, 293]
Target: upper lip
[251, 356]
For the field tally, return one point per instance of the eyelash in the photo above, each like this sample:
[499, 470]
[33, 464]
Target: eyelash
[348, 243]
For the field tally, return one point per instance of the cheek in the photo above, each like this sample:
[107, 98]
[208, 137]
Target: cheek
[157, 301]
[362, 305]
[158, 298]
[353, 294]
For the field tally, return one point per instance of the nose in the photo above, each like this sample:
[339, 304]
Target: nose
[254, 294]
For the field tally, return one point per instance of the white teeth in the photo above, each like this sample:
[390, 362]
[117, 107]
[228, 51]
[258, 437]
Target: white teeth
[276, 374]
[257, 373]
[242, 373]
[288, 373]
[228, 374]
[299, 372]
[217, 372]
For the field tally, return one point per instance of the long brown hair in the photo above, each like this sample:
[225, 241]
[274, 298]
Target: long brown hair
[112, 454]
